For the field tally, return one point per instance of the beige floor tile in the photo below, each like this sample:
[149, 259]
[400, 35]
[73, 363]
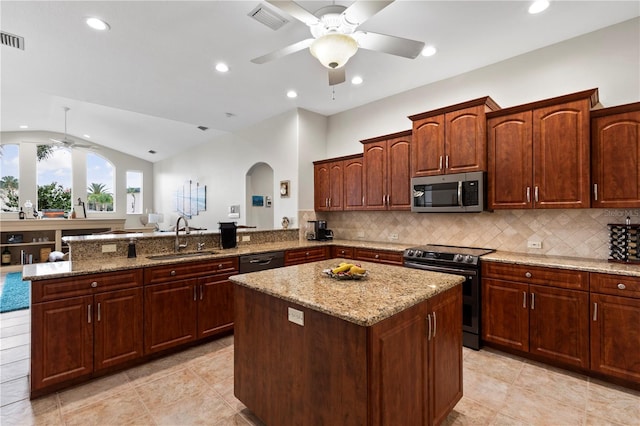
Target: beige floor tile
[199, 353]
[225, 389]
[154, 370]
[613, 403]
[485, 390]
[498, 366]
[13, 341]
[165, 390]
[41, 411]
[92, 392]
[14, 370]
[502, 420]
[206, 408]
[114, 409]
[8, 331]
[598, 421]
[563, 386]
[16, 320]
[14, 391]
[15, 354]
[251, 418]
[538, 409]
[469, 412]
[216, 368]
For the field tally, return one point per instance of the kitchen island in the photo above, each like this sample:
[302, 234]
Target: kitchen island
[310, 349]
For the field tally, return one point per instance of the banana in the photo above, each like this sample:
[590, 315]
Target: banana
[356, 270]
[342, 268]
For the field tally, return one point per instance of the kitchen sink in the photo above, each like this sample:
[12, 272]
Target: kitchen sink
[170, 256]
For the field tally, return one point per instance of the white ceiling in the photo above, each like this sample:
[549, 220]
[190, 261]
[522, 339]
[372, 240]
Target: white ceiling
[150, 81]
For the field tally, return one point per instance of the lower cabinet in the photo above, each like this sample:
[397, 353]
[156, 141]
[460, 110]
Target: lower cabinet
[81, 326]
[305, 255]
[524, 310]
[378, 256]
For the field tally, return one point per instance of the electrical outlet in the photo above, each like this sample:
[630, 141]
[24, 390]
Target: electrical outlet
[109, 248]
[246, 238]
[393, 236]
[296, 316]
[534, 244]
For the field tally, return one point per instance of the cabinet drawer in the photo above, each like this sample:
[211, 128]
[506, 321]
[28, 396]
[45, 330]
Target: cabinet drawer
[312, 254]
[379, 256]
[169, 273]
[60, 288]
[344, 252]
[618, 285]
[563, 278]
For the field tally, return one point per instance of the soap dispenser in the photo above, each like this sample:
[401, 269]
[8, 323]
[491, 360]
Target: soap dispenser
[132, 248]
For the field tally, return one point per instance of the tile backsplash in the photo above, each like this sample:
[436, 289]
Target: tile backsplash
[563, 232]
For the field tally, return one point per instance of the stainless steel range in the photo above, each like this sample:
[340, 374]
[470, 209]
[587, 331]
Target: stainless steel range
[463, 261]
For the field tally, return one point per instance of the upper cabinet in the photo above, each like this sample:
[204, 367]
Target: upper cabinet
[451, 139]
[387, 178]
[615, 150]
[338, 184]
[538, 153]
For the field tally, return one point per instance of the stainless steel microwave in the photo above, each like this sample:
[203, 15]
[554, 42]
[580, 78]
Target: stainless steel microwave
[460, 192]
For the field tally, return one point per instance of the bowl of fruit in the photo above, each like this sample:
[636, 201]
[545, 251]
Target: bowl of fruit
[347, 271]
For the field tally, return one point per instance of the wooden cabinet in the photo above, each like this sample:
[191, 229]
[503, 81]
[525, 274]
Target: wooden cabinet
[338, 183]
[378, 256]
[538, 154]
[451, 139]
[305, 255]
[342, 252]
[187, 302]
[83, 325]
[543, 311]
[387, 178]
[615, 157]
[353, 183]
[615, 335]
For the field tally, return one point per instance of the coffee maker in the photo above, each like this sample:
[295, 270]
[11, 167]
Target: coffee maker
[317, 230]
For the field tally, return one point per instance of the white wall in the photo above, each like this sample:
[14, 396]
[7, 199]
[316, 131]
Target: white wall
[28, 142]
[608, 59]
[312, 146]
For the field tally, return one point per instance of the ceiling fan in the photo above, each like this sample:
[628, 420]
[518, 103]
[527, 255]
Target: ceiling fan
[336, 38]
[65, 142]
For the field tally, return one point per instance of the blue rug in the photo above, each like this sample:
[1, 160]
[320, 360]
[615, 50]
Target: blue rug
[15, 293]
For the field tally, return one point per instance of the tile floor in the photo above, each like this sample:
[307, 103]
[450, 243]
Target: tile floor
[196, 387]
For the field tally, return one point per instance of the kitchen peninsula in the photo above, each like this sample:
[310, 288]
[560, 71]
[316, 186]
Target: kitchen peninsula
[310, 349]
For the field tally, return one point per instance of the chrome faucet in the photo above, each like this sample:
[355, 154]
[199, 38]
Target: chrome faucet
[179, 246]
[200, 242]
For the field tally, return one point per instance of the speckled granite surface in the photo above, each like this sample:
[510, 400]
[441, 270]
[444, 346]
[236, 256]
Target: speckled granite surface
[387, 289]
[575, 263]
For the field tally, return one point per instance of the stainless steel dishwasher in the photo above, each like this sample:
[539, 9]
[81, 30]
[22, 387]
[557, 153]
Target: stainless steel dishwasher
[261, 261]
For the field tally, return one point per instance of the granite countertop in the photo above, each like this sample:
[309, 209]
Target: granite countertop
[386, 290]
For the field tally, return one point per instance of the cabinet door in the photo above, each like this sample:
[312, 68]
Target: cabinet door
[398, 174]
[505, 313]
[61, 341]
[616, 160]
[169, 315]
[427, 151]
[615, 336]
[336, 179]
[118, 327]
[465, 144]
[510, 163]
[561, 156]
[305, 255]
[559, 324]
[445, 353]
[215, 305]
[321, 187]
[353, 184]
[375, 183]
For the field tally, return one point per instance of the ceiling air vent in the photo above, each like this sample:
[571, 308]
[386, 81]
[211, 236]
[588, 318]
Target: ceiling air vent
[267, 17]
[203, 128]
[12, 40]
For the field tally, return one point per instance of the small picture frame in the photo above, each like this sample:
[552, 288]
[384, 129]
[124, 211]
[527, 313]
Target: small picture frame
[257, 200]
[284, 188]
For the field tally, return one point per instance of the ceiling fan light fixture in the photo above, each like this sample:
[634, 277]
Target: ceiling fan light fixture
[334, 50]
[429, 51]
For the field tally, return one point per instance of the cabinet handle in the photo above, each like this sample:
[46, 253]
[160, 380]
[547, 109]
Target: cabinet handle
[306, 254]
[533, 301]
[446, 163]
[595, 311]
[595, 191]
[383, 200]
[329, 202]
[388, 199]
[172, 273]
[89, 314]
[535, 194]
[220, 266]
[428, 326]
[201, 291]
[341, 251]
[377, 256]
[527, 274]
[440, 163]
[94, 284]
[363, 200]
[435, 325]
[195, 293]
[528, 194]
[621, 286]
[524, 299]
[99, 312]
[326, 202]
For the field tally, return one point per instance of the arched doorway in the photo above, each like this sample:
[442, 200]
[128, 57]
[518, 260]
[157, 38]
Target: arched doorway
[259, 185]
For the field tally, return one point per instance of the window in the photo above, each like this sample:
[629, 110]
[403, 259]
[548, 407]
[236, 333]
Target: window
[100, 184]
[134, 192]
[53, 170]
[9, 172]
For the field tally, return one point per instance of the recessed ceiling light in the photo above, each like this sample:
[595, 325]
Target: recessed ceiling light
[97, 24]
[24, 126]
[429, 51]
[222, 67]
[86, 136]
[357, 80]
[292, 94]
[538, 6]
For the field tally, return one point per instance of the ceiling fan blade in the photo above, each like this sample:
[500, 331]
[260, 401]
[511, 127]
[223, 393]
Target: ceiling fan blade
[295, 10]
[361, 10]
[389, 44]
[277, 54]
[337, 76]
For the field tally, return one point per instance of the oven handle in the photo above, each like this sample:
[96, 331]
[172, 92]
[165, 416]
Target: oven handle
[442, 269]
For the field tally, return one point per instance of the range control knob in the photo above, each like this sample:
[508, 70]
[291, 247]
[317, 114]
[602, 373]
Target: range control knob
[468, 258]
[457, 258]
[418, 253]
[409, 252]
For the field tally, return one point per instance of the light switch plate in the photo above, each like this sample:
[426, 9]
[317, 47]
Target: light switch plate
[246, 238]
[296, 316]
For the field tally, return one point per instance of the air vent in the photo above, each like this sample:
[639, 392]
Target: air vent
[267, 17]
[203, 128]
[12, 40]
